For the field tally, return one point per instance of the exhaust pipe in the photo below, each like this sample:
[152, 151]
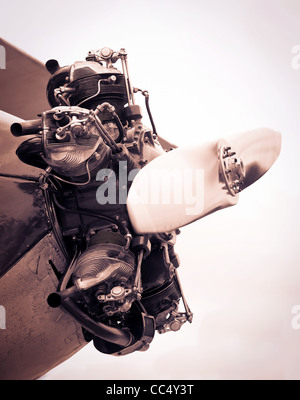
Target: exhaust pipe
[52, 66]
[66, 299]
[30, 127]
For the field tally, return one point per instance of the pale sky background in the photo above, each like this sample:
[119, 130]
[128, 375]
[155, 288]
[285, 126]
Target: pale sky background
[212, 68]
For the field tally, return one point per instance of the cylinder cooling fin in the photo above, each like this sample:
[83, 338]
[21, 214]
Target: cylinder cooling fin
[86, 84]
[100, 264]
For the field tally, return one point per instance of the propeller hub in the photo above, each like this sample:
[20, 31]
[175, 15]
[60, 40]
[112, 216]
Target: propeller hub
[232, 169]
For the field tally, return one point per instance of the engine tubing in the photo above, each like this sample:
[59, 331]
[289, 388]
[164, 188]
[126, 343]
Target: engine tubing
[111, 334]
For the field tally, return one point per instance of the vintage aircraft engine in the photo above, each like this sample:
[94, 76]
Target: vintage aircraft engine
[120, 286]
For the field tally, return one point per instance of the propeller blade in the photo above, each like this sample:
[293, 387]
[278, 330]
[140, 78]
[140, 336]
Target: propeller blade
[187, 184]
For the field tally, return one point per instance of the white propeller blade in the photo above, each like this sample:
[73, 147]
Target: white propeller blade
[187, 184]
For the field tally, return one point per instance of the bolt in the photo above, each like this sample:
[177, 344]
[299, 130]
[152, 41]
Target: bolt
[143, 161]
[117, 292]
[175, 325]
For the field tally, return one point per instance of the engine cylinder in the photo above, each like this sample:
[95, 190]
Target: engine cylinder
[104, 262]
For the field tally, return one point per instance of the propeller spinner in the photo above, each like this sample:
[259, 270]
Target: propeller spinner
[187, 184]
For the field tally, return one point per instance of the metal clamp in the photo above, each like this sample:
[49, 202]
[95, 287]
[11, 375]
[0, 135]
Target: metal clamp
[232, 169]
[174, 322]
